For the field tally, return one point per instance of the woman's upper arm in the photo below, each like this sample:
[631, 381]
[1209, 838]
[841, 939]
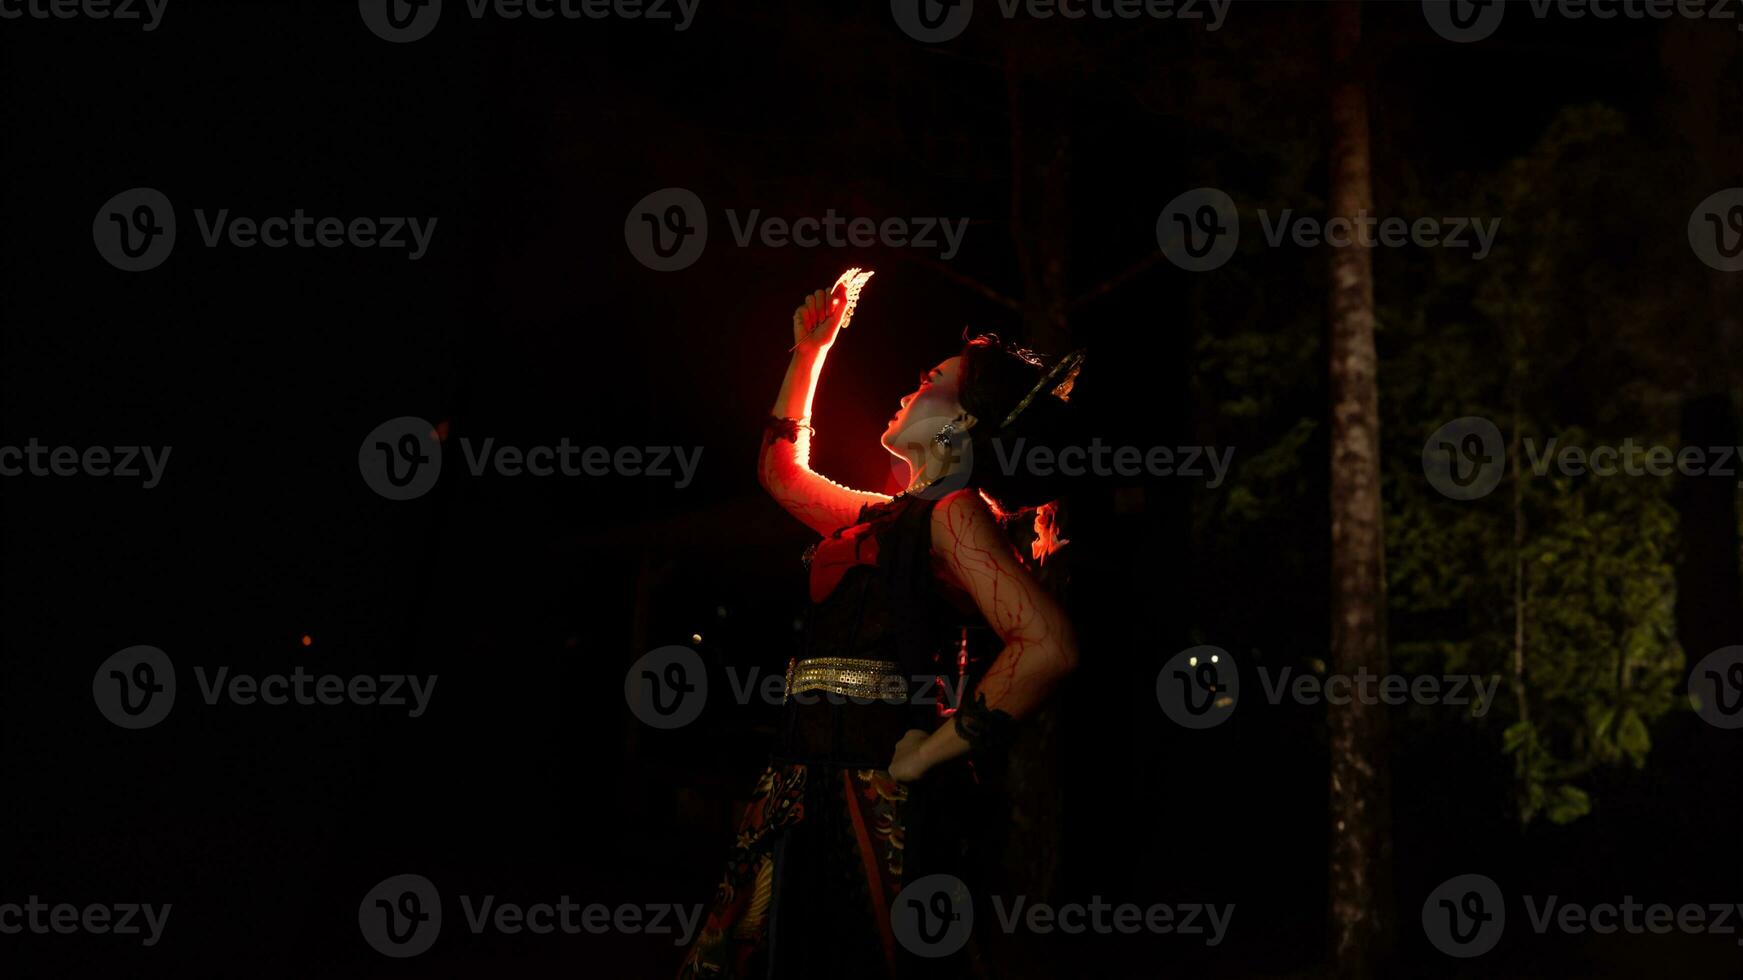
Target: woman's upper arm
[1037, 635]
[822, 504]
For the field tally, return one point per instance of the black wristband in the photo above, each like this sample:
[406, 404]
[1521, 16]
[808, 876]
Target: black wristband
[983, 728]
[788, 429]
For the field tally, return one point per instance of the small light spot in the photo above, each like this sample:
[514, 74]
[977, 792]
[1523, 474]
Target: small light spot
[1213, 658]
[696, 638]
[308, 640]
[1192, 661]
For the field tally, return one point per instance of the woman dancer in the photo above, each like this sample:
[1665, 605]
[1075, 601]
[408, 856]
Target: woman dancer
[852, 805]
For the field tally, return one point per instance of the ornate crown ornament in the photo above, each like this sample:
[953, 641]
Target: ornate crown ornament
[1058, 382]
[850, 283]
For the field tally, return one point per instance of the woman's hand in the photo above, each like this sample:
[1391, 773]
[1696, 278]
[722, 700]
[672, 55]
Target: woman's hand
[816, 323]
[907, 765]
[826, 311]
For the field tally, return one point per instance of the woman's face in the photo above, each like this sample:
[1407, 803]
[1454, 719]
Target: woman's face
[925, 411]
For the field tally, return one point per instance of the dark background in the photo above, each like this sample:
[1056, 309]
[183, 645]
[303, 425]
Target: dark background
[529, 320]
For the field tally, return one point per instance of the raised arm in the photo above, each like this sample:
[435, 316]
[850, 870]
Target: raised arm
[1039, 646]
[784, 468]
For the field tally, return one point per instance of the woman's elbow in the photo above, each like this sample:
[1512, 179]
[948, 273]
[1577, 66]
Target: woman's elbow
[1065, 659]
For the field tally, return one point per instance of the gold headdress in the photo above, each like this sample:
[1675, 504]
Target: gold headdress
[1058, 381]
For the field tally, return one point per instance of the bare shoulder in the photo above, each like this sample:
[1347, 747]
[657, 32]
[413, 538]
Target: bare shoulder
[963, 516]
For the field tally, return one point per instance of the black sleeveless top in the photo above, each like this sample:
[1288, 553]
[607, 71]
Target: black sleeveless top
[892, 608]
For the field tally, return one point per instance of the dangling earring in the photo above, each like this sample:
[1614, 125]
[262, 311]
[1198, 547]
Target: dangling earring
[946, 435]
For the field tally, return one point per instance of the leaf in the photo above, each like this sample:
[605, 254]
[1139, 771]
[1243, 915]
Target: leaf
[1633, 737]
[1567, 804]
[1516, 735]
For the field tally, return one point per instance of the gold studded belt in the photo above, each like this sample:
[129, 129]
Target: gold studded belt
[879, 680]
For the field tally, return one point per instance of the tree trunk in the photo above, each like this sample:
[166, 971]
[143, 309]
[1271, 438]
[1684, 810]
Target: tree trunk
[1359, 886]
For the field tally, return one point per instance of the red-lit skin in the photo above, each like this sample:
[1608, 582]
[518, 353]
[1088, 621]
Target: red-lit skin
[969, 549]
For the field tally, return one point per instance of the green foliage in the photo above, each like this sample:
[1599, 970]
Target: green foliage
[1562, 586]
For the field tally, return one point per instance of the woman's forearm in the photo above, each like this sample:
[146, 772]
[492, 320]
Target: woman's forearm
[1015, 699]
[784, 465]
[800, 385]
